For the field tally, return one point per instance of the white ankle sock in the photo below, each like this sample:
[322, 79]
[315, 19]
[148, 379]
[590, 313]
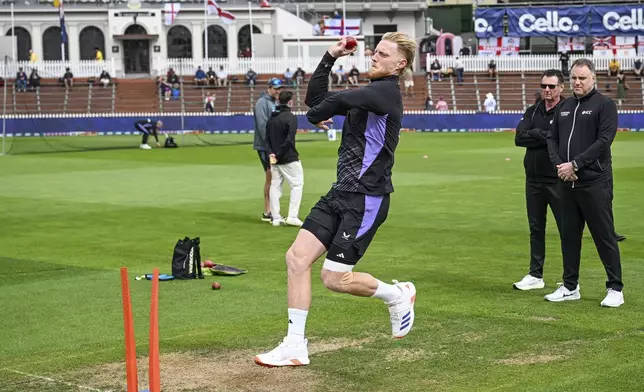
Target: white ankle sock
[387, 292]
[296, 324]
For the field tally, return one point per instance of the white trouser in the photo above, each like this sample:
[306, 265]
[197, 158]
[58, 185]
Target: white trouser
[294, 175]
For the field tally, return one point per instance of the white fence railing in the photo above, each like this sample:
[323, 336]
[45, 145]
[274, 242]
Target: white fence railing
[56, 69]
[277, 65]
[533, 63]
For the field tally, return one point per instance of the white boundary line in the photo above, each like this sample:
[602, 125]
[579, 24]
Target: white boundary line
[55, 381]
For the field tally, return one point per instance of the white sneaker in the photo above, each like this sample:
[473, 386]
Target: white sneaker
[286, 354]
[563, 294]
[613, 299]
[276, 222]
[529, 282]
[294, 221]
[401, 311]
[145, 147]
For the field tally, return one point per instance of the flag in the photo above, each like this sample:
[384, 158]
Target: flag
[170, 13]
[621, 46]
[342, 27]
[213, 8]
[501, 46]
[63, 30]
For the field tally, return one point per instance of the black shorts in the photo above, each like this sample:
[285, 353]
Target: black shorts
[346, 222]
[263, 157]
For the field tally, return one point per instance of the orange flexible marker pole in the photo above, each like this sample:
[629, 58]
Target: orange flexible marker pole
[130, 342]
[155, 370]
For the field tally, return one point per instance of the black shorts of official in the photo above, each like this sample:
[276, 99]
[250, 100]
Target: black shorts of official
[263, 157]
[346, 222]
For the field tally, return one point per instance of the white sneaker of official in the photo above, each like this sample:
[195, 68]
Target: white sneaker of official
[145, 147]
[294, 221]
[286, 354]
[529, 282]
[401, 311]
[293, 173]
[613, 299]
[563, 294]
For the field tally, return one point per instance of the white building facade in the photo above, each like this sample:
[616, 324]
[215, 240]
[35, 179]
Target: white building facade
[138, 42]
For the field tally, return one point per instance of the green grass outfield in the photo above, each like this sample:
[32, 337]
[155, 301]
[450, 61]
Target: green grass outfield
[456, 228]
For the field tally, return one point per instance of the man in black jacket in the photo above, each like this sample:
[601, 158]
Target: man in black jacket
[542, 184]
[579, 145]
[285, 161]
[343, 223]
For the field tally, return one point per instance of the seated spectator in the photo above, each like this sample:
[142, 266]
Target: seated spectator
[34, 79]
[429, 104]
[465, 51]
[211, 76]
[368, 52]
[537, 97]
[222, 77]
[408, 78]
[339, 74]
[246, 52]
[288, 76]
[637, 67]
[441, 105]
[172, 78]
[200, 77]
[354, 74]
[105, 78]
[299, 76]
[435, 70]
[459, 68]
[319, 28]
[68, 78]
[251, 77]
[99, 54]
[490, 103]
[176, 92]
[33, 57]
[210, 102]
[613, 67]
[21, 80]
[165, 89]
[491, 69]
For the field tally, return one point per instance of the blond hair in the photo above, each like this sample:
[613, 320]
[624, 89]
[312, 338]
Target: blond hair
[406, 47]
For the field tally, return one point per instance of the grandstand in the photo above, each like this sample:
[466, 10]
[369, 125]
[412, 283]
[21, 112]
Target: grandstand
[514, 91]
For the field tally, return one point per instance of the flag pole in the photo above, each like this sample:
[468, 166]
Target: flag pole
[205, 21]
[14, 37]
[299, 46]
[62, 27]
[252, 45]
[344, 18]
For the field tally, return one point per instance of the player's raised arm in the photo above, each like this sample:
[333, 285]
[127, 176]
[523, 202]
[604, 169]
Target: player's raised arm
[319, 83]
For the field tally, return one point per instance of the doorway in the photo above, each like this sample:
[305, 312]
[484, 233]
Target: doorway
[136, 56]
[379, 31]
[136, 50]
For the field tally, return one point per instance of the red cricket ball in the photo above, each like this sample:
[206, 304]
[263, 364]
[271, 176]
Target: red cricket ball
[351, 43]
[216, 286]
